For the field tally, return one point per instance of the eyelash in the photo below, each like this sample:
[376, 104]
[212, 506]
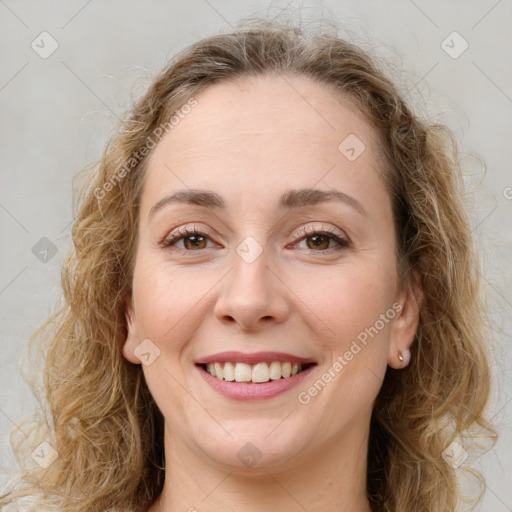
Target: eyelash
[303, 233]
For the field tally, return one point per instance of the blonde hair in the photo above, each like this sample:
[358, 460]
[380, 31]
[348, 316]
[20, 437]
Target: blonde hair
[100, 416]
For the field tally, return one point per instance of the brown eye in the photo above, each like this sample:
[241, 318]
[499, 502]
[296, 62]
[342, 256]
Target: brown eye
[193, 240]
[318, 241]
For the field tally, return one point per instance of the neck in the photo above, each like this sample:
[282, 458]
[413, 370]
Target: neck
[329, 479]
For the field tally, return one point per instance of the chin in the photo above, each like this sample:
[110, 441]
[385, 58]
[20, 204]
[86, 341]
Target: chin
[258, 447]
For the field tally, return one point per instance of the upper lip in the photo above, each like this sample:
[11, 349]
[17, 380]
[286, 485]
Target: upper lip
[254, 358]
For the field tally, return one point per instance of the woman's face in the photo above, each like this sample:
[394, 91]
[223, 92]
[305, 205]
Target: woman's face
[266, 267]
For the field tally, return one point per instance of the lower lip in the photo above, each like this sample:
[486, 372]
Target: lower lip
[251, 391]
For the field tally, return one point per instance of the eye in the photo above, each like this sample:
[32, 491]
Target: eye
[317, 240]
[320, 240]
[193, 239]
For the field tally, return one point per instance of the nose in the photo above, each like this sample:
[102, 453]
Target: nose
[252, 296]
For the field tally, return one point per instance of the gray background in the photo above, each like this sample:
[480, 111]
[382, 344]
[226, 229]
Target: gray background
[58, 111]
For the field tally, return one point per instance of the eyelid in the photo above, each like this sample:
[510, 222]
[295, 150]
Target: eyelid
[309, 230]
[337, 235]
[303, 232]
[183, 232]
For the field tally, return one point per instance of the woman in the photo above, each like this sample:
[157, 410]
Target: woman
[272, 303]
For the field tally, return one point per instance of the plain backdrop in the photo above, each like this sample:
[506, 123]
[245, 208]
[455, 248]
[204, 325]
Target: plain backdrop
[61, 92]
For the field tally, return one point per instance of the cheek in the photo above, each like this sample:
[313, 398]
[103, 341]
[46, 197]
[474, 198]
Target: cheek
[171, 301]
[354, 312]
[170, 308]
[344, 300]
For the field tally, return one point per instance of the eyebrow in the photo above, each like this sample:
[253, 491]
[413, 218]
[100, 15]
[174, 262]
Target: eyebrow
[295, 198]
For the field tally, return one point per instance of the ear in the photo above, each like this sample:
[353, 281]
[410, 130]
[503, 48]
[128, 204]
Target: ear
[405, 323]
[132, 332]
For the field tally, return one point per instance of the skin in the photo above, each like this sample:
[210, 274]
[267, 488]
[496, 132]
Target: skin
[250, 141]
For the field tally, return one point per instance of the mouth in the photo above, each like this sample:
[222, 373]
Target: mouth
[254, 382]
[259, 373]
[260, 368]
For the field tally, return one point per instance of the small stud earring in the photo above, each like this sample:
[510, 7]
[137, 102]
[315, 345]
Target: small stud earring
[400, 357]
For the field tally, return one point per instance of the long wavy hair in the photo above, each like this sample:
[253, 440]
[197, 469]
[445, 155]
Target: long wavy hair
[97, 412]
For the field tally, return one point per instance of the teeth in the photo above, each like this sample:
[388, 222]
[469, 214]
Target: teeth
[295, 368]
[229, 372]
[258, 373]
[275, 370]
[243, 372]
[219, 373]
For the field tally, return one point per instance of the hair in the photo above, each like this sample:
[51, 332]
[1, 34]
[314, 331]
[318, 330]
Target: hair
[98, 413]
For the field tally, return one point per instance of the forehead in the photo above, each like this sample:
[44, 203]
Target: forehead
[261, 135]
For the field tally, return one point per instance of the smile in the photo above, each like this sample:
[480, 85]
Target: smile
[257, 376]
[257, 373]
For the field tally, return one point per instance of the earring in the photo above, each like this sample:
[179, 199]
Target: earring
[404, 357]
